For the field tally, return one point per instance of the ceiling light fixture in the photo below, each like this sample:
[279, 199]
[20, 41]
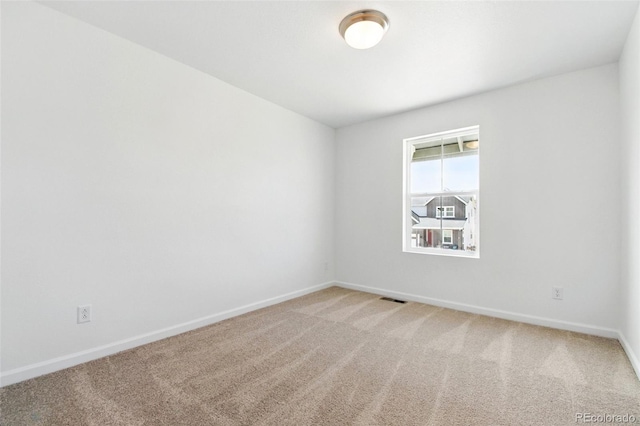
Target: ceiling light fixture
[364, 29]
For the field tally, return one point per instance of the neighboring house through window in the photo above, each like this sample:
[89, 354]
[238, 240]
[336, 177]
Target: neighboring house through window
[441, 193]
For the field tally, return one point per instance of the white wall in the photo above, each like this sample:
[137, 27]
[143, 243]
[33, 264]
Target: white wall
[148, 189]
[550, 200]
[630, 114]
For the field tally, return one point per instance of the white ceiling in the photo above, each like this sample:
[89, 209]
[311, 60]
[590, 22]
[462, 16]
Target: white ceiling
[290, 52]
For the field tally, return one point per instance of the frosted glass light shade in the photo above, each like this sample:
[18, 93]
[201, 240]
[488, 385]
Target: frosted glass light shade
[364, 29]
[363, 34]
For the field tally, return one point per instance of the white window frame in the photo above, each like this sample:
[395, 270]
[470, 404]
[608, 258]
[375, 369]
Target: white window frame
[408, 149]
[446, 210]
[447, 231]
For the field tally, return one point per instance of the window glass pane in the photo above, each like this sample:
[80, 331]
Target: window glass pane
[460, 173]
[445, 221]
[426, 176]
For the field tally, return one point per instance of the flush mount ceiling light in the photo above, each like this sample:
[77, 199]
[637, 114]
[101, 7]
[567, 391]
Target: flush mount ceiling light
[364, 29]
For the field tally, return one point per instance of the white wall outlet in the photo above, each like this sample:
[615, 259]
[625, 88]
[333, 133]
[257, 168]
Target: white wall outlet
[84, 314]
[557, 293]
[326, 266]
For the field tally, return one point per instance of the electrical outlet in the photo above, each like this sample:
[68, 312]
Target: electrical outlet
[557, 293]
[326, 266]
[84, 314]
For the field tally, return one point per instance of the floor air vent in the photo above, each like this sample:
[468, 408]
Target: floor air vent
[393, 300]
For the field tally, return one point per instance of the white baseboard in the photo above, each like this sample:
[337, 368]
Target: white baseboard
[60, 363]
[34, 370]
[513, 316]
[635, 363]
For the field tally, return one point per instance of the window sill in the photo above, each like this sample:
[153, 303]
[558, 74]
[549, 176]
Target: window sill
[443, 252]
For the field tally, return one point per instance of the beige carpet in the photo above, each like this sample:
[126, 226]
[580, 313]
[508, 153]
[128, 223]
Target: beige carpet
[341, 357]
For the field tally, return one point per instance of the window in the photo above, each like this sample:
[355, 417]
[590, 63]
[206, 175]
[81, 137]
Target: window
[446, 211]
[442, 193]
